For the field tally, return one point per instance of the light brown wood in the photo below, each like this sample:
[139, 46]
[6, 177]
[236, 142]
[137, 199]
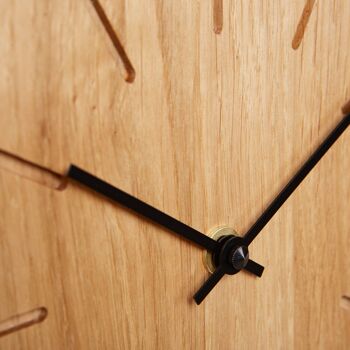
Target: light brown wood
[209, 131]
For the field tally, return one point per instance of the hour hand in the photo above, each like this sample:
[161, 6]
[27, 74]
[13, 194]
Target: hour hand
[141, 208]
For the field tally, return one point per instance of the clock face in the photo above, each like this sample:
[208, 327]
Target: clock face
[209, 130]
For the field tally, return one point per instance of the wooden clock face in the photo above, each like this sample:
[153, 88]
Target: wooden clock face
[209, 131]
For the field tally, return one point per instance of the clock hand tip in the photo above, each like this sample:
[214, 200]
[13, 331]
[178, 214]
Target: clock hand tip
[347, 117]
[69, 170]
[197, 300]
[76, 173]
[254, 268]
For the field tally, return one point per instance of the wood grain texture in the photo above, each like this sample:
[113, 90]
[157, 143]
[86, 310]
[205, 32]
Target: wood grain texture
[210, 130]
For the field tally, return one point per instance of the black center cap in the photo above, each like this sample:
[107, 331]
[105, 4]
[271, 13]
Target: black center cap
[233, 255]
[239, 257]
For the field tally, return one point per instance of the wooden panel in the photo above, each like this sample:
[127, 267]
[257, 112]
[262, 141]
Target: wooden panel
[210, 130]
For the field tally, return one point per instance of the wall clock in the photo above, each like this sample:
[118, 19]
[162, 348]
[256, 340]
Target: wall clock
[208, 128]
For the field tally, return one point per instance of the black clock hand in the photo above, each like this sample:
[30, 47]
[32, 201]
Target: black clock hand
[295, 181]
[220, 272]
[151, 213]
[141, 208]
[266, 216]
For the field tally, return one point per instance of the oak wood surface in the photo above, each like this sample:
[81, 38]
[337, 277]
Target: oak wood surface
[209, 131]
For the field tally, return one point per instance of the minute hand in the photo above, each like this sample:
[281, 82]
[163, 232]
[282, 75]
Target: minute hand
[141, 208]
[266, 216]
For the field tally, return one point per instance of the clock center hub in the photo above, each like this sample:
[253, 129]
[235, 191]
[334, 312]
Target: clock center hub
[239, 257]
[233, 254]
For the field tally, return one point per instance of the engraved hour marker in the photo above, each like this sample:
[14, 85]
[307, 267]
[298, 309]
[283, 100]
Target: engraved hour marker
[299, 34]
[103, 19]
[218, 16]
[346, 108]
[345, 302]
[26, 319]
[31, 171]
